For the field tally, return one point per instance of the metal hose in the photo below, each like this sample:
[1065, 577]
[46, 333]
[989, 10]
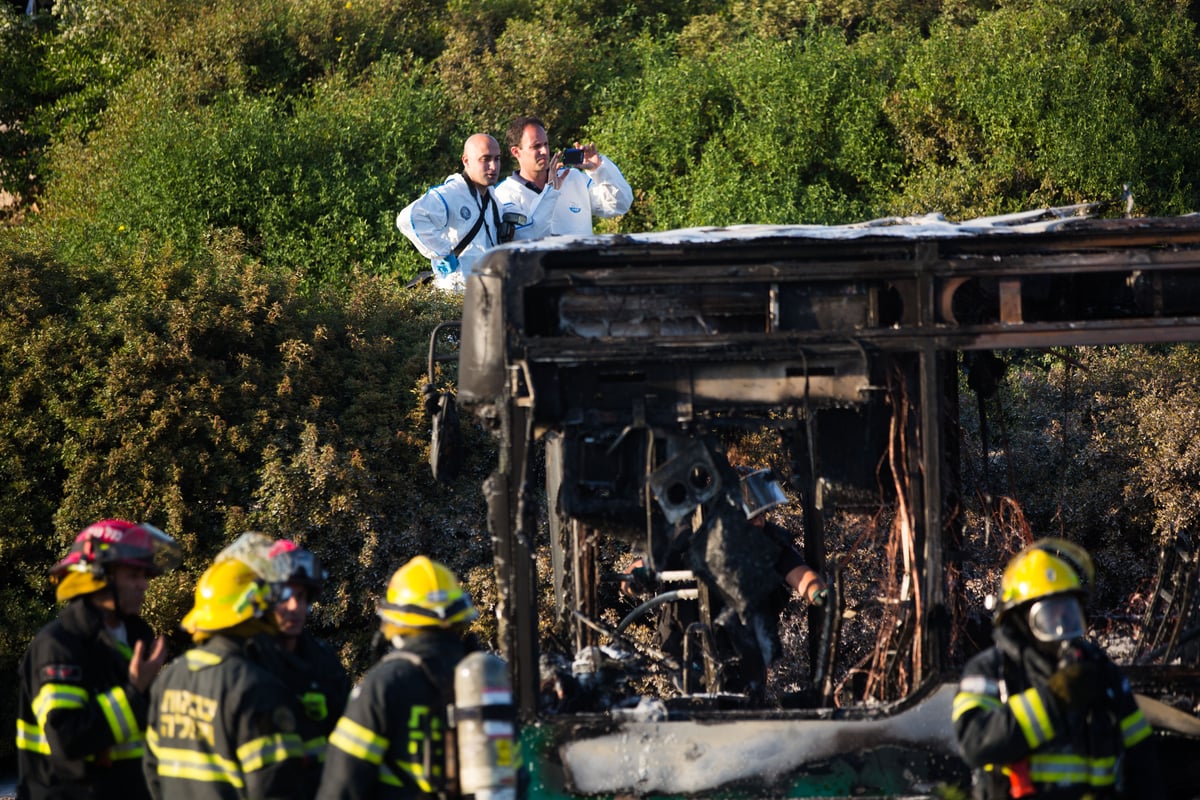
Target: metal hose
[655, 602]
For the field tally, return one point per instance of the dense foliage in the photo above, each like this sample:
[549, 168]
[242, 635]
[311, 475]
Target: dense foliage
[210, 397]
[203, 325]
[307, 125]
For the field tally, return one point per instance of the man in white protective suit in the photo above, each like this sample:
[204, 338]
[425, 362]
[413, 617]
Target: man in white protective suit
[455, 223]
[589, 185]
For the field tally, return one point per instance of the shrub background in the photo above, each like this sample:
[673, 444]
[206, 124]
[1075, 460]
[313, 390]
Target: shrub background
[204, 324]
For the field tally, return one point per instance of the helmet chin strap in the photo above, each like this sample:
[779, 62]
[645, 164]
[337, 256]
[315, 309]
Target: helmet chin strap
[109, 603]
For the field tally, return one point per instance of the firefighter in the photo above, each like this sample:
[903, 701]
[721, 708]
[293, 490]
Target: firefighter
[767, 567]
[1044, 712]
[221, 724]
[85, 679]
[391, 742]
[311, 670]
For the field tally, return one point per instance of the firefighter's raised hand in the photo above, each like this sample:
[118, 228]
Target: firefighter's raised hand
[143, 667]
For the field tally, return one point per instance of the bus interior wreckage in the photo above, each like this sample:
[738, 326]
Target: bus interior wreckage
[652, 395]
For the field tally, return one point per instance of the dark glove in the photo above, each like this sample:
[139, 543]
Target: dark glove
[1077, 685]
[638, 580]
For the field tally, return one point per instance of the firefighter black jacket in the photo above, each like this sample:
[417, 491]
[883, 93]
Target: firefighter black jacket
[1007, 720]
[222, 727]
[319, 683]
[80, 733]
[391, 742]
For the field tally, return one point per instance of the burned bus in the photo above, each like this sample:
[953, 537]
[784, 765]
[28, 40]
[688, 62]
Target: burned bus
[652, 394]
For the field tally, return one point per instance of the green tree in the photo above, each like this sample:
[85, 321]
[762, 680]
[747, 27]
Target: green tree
[313, 185]
[1077, 99]
[32, 296]
[209, 397]
[759, 132]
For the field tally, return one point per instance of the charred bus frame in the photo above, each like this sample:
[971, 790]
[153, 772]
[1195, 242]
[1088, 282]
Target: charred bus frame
[617, 350]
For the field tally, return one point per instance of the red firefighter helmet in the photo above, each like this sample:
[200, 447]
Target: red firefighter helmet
[107, 543]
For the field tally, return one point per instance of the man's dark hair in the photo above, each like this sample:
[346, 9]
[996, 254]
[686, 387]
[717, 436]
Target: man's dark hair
[516, 129]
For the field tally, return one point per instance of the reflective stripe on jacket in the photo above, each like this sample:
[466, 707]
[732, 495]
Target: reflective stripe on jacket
[80, 725]
[318, 681]
[391, 742]
[223, 727]
[1004, 717]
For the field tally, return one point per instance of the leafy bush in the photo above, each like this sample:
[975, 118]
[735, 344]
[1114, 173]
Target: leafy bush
[551, 68]
[61, 68]
[760, 132]
[1098, 445]
[656, 127]
[32, 294]
[1077, 99]
[807, 141]
[354, 154]
[211, 397]
[314, 188]
[20, 63]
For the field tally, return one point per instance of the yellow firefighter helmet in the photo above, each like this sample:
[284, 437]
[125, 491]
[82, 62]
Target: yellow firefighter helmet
[1073, 554]
[422, 595]
[1034, 574]
[238, 588]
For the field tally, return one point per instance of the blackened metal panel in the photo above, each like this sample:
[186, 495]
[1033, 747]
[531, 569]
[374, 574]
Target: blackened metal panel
[482, 360]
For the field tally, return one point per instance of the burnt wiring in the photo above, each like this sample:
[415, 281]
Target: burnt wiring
[892, 665]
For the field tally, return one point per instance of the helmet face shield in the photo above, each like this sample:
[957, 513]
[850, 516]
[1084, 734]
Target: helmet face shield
[300, 566]
[254, 550]
[306, 568]
[280, 593]
[760, 493]
[165, 551]
[1056, 619]
[297, 566]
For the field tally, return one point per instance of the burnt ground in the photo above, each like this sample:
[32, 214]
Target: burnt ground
[858, 548]
[865, 550]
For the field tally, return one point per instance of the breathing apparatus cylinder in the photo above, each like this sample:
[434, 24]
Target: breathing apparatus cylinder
[485, 728]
